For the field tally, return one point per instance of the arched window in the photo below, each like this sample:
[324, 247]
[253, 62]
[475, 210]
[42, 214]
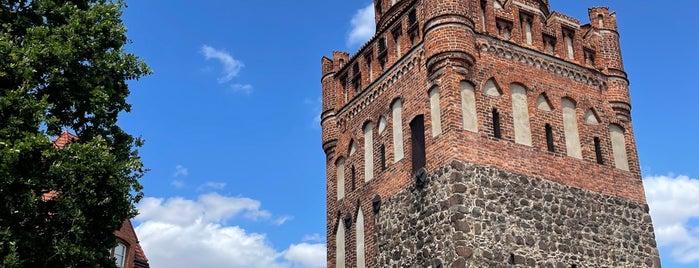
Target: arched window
[520, 111]
[468, 106]
[397, 111]
[483, 5]
[368, 151]
[120, 255]
[360, 240]
[568, 39]
[340, 166]
[526, 28]
[600, 21]
[570, 129]
[417, 132]
[621, 161]
[435, 112]
[340, 245]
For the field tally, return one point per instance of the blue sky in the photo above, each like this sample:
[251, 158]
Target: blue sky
[230, 119]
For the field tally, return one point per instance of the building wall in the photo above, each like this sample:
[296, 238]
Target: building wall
[444, 44]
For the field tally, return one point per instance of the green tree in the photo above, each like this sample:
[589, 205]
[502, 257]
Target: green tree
[63, 67]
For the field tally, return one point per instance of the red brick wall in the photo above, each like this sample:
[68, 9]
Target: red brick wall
[455, 49]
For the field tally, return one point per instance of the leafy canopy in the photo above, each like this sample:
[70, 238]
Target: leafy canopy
[63, 67]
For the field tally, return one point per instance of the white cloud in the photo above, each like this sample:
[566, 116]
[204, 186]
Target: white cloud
[313, 238]
[363, 26]
[180, 171]
[316, 106]
[211, 186]
[674, 203]
[306, 255]
[283, 219]
[231, 66]
[243, 88]
[177, 183]
[179, 232]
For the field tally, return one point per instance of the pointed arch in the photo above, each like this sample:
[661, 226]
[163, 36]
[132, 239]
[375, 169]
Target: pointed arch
[491, 88]
[435, 112]
[382, 124]
[361, 263]
[368, 151]
[340, 177]
[570, 128]
[497, 4]
[591, 117]
[520, 112]
[340, 244]
[352, 148]
[397, 114]
[621, 160]
[468, 106]
[543, 103]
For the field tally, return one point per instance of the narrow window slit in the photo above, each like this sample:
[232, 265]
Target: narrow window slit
[417, 132]
[549, 138]
[354, 181]
[496, 124]
[383, 156]
[598, 151]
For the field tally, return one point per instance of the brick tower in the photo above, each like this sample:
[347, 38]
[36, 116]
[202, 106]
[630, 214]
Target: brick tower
[483, 133]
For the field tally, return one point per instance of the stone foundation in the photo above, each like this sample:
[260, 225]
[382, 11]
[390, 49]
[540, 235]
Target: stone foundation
[474, 216]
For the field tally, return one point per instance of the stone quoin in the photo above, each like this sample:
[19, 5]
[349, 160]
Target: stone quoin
[483, 133]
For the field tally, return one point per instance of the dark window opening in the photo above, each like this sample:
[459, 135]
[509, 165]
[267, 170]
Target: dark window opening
[354, 176]
[504, 28]
[496, 124]
[355, 69]
[590, 57]
[598, 151]
[379, 9]
[382, 62]
[417, 134]
[549, 43]
[573, 266]
[512, 258]
[382, 44]
[413, 38]
[549, 138]
[412, 16]
[382, 151]
[357, 83]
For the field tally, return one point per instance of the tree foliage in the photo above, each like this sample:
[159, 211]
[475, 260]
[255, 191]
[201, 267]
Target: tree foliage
[63, 67]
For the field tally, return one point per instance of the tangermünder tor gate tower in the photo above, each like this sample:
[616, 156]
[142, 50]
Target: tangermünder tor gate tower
[492, 133]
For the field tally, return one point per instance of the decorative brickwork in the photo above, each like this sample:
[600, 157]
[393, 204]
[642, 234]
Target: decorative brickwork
[552, 63]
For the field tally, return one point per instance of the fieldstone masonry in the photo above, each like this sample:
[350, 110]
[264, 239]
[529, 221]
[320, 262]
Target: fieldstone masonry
[474, 216]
